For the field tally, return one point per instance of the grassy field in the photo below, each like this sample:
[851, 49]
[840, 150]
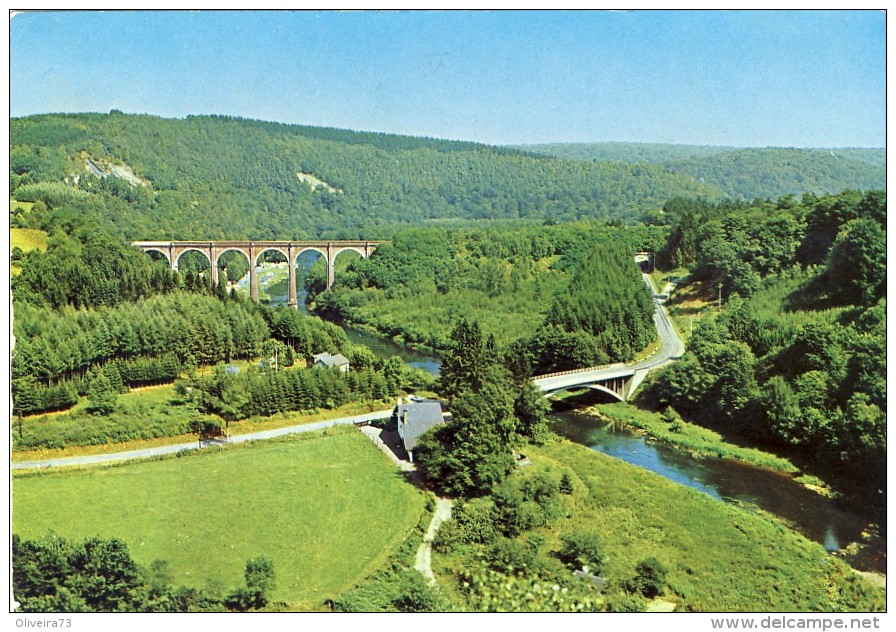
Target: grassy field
[25, 206]
[25, 239]
[327, 510]
[720, 557]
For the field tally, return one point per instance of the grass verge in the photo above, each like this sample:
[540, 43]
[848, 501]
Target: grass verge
[147, 417]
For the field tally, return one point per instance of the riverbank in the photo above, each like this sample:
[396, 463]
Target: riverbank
[696, 440]
[718, 556]
[692, 456]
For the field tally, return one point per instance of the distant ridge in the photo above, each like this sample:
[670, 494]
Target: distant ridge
[743, 172]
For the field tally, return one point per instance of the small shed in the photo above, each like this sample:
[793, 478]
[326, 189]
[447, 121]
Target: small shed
[326, 360]
[415, 418]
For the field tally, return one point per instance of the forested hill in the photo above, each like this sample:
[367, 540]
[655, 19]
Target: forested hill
[746, 173]
[215, 177]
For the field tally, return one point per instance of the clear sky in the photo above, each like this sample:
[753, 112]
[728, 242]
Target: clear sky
[742, 78]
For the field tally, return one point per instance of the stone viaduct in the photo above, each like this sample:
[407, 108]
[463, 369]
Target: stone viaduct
[329, 250]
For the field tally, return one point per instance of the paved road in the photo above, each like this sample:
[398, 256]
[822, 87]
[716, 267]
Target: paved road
[193, 445]
[673, 347]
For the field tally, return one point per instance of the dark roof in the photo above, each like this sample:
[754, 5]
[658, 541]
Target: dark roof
[421, 416]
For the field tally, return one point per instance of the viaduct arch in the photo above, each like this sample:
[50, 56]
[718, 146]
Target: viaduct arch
[329, 250]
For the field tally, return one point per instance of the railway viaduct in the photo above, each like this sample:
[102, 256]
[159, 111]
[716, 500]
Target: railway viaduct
[329, 250]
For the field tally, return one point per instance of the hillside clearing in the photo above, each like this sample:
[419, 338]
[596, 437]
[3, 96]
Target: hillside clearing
[27, 239]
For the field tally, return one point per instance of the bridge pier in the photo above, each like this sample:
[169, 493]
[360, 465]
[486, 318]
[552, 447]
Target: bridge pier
[213, 266]
[331, 266]
[292, 299]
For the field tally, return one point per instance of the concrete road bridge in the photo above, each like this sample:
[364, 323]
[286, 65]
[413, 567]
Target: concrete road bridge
[329, 250]
[620, 380]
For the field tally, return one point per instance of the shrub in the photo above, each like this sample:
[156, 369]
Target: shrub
[650, 578]
[582, 550]
[510, 556]
[514, 513]
[625, 602]
[401, 590]
[472, 522]
[526, 503]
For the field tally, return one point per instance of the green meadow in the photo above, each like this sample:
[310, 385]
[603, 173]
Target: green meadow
[27, 239]
[720, 557]
[326, 509]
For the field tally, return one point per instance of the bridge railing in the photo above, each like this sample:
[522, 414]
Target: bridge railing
[575, 371]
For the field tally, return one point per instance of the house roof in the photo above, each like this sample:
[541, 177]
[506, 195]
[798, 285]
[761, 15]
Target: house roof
[331, 360]
[421, 416]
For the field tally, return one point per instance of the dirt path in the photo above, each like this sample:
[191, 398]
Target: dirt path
[389, 443]
[423, 563]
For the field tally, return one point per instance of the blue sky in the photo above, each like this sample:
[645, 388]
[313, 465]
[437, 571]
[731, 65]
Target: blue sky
[743, 78]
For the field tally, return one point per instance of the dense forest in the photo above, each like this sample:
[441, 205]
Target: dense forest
[797, 354]
[746, 173]
[507, 278]
[211, 177]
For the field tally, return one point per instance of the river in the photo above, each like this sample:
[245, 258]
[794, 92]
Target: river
[834, 524]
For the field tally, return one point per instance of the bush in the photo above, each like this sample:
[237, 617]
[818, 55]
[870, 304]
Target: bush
[514, 513]
[402, 590]
[582, 550]
[510, 556]
[472, 522]
[625, 602]
[650, 578]
[527, 501]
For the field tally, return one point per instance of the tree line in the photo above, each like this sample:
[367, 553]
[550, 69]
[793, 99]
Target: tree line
[745, 173]
[52, 574]
[233, 396]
